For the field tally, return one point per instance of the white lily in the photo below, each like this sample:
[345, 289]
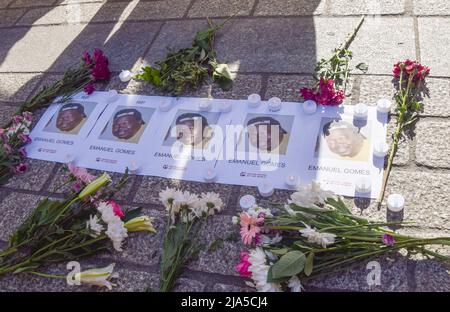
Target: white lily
[98, 277]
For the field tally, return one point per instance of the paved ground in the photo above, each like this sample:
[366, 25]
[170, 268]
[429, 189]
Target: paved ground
[272, 46]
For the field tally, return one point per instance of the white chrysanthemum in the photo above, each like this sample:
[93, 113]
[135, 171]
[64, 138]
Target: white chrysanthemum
[255, 210]
[259, 270]
[211, 203]
[294, 284]
[117, 233]
[186, 200]
[167, 197]
[107, 212]
[94, 225]
[322, 239]
[235, 220]
[310, 195]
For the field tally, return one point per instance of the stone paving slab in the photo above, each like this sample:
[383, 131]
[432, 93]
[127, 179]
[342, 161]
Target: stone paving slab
[218, 8]
[431, 7]
[9, 17]
[434, 44]
[30, 3]
[17, 87]
[289, 7]
[433, 145]
[34, 179]
[370, 7]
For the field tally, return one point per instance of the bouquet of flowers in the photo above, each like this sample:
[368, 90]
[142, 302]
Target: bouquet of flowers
[83, 223]
[189, 67]
[409, 81]
[187, 215]
[92, 69]
[332, 74]
[315, 234]
[12, 151]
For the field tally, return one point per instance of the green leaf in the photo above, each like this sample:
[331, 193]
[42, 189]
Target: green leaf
[271, 279]
[222, 76]
[309, 264]
[289, 265]
[279, 251]
[131, 214]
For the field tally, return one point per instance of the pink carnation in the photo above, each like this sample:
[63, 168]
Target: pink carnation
[89, 88]
[117, 209]
[22, 152]
[28, 116]
[81, 174]
[24, 138]
[324, 93]
[20, 168]
[100, 71]
[242, 267]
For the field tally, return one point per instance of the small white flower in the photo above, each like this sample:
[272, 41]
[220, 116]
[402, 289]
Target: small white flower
[310, 195]
[294, 284]
[322, 239]
[167, 197]
[255, 210]
[235, 220]
[117, 233]
[259, 270]
[93, 225]
[98, 277]
[107, 212]
[211, 203]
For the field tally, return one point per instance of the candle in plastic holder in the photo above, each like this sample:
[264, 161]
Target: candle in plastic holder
[266, 189]
[247, 201]
[274, 104]
[309, 107]
[254, 100]
[380, 149]
[165, 105]
[69, 158]
[384, 106]
[113, 95]
[292, 181]
[360, 111]
[395, 202]
[225, 107]
[363, 185]
[205, 106]
[133, 167]
[210, 175]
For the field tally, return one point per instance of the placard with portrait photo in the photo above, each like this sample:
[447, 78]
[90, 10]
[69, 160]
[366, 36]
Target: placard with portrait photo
[189, 140]
[339, 150]
[63, 127]
[264, 146]
[123, 135]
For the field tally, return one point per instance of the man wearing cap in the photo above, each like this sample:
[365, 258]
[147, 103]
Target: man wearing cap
[71, 118]
[128, 125]
[345, 140]
[266, 134]
[191, 129]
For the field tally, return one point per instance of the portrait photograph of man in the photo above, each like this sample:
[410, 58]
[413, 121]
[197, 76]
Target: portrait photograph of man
[127, 124]
[192, 129]
[339, 139]
[268, 133]
[69, 118]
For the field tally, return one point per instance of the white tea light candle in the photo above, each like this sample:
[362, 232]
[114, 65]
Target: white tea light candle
[125, 75]
[309, 107]
[395, 202]
[274, 104]
[210, 175]
[205, 106]
[165, 105]
[266, 189]
[384, 106]
[254, 100]
[360, 111]
[133, 167]
[113, 95]
[247, 201]
[292, 181]
[225, 107]
[380, 149]
[363, 185]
